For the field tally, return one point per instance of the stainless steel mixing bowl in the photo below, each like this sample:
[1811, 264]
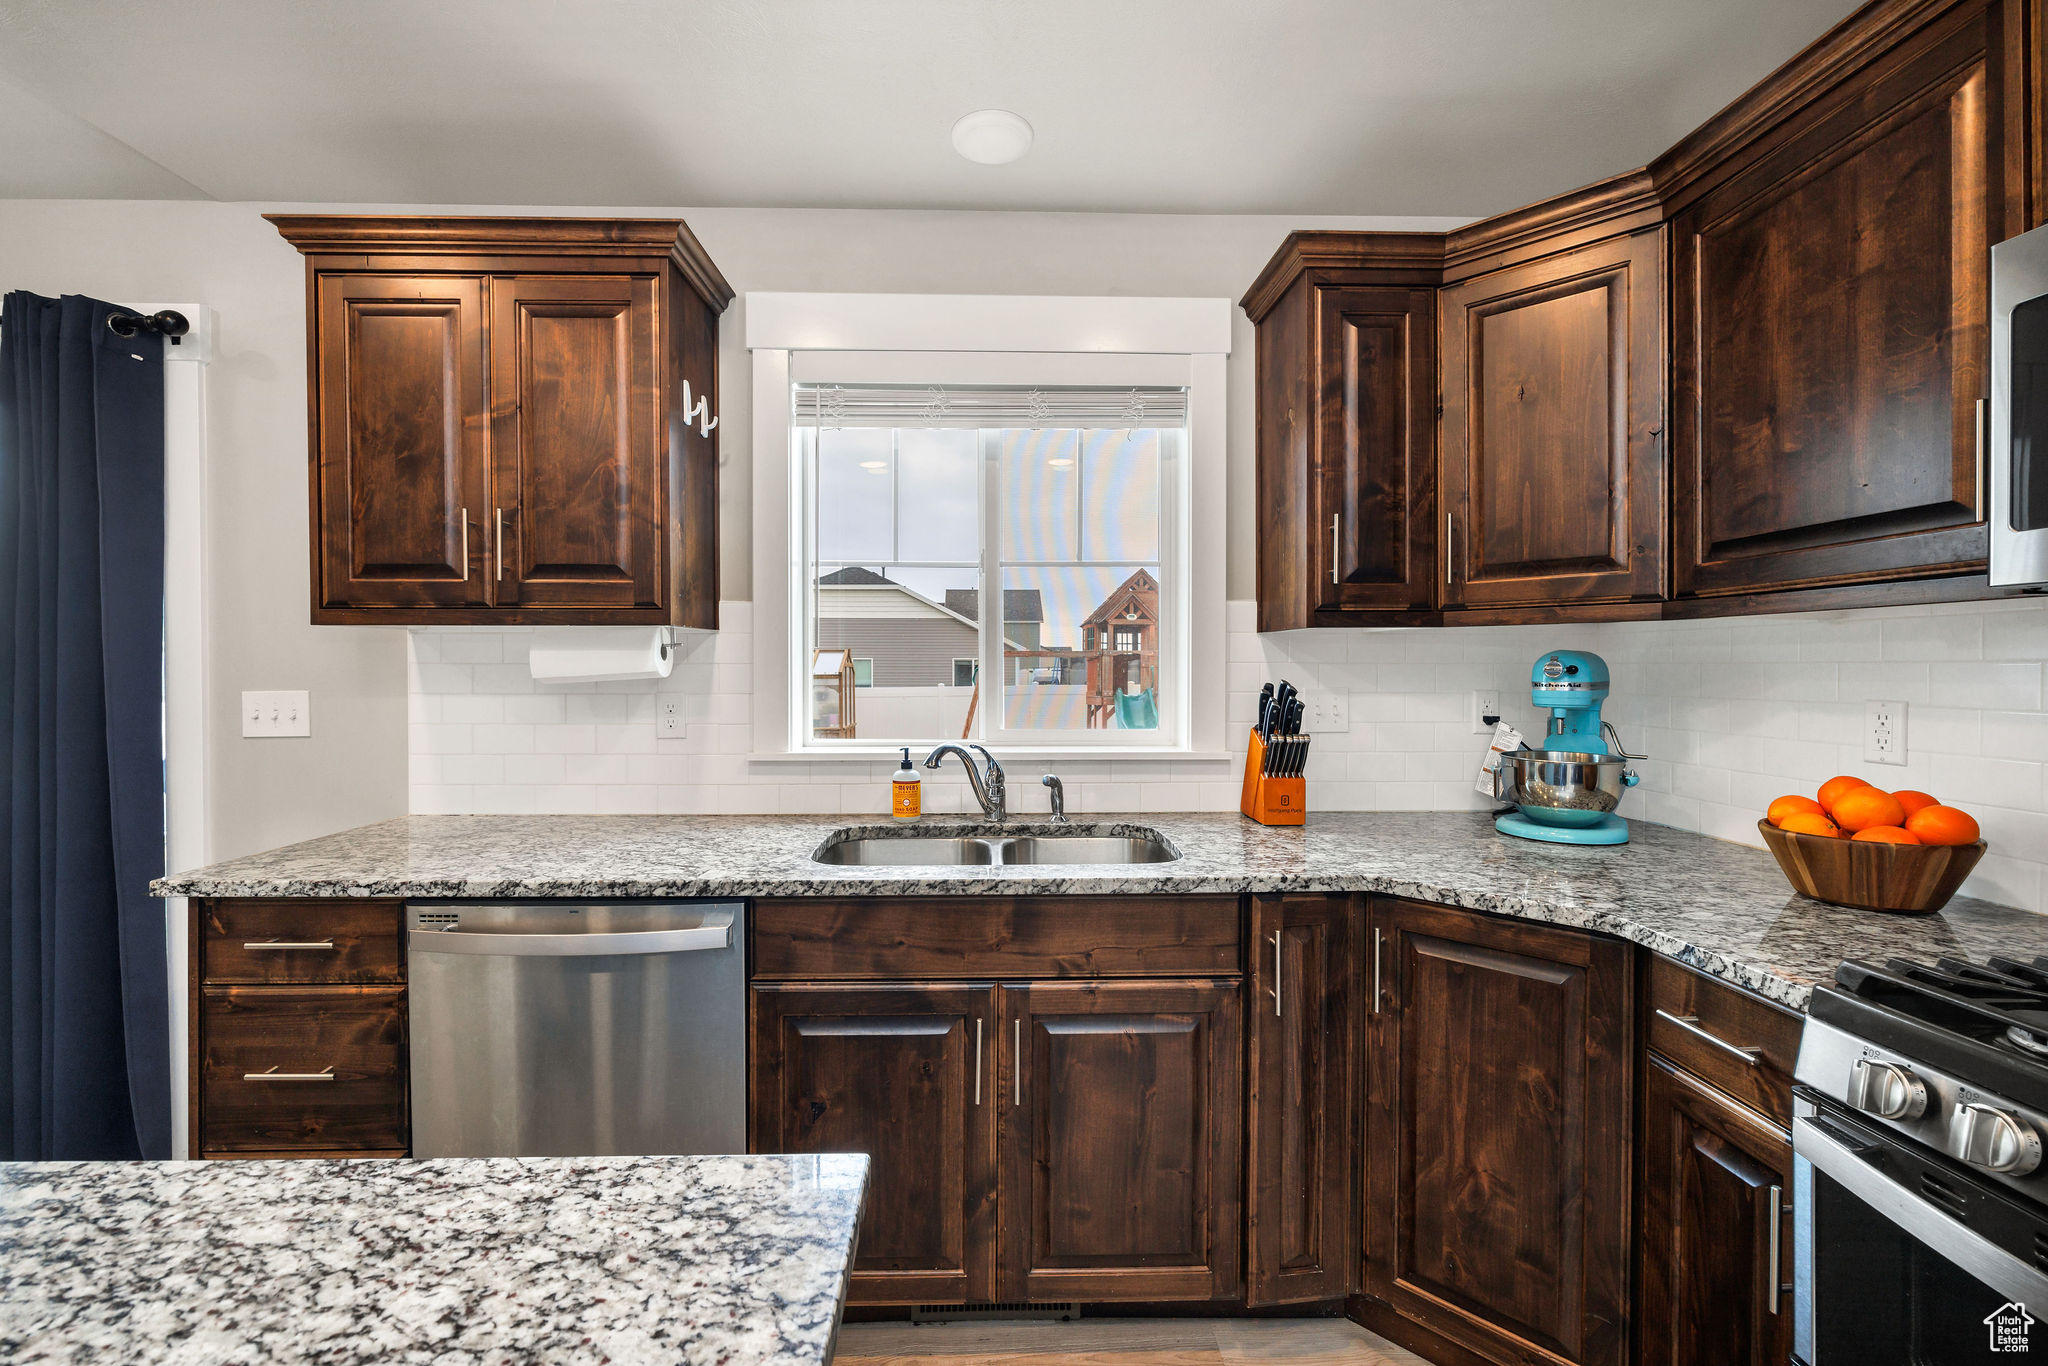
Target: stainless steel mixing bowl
[1562, 788]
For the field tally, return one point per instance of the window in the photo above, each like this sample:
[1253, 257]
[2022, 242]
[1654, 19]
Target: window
[1006, 559]
[863, 673]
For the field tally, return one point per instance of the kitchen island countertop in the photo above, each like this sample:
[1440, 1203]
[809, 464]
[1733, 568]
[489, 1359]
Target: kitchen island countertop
[628, 1260]
[1722, 908]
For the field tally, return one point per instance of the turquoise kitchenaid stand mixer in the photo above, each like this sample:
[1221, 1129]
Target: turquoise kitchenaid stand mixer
[1566, 791]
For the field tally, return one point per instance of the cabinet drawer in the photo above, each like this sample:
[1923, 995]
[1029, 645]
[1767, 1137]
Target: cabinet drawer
[965, 937]
[356, 1034]
[1681, 1007]
[302, 941]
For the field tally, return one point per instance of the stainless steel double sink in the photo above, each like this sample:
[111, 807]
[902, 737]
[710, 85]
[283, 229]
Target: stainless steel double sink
[845, 847]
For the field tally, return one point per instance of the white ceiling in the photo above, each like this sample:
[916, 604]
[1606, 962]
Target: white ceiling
[1452, 107]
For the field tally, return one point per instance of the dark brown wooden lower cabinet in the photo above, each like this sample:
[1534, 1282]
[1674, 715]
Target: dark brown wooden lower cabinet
[906, 1075]
[1714, 1288]
[1497, 1168]
[1120, 1138]
[318, 1070]
[1301, 1139]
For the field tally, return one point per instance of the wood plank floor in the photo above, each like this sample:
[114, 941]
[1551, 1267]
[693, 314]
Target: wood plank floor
[1120, 1342]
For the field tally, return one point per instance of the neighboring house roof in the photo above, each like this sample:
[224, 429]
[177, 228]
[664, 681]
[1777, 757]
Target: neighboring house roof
[1019, 604]
[1140, 590]
[842, 578]
[864, 593]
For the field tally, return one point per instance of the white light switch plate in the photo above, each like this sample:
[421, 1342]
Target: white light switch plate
[1322, 712]
[268, 715]
[1884, 732]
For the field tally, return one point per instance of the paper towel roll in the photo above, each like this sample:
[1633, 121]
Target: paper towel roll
[601, 654]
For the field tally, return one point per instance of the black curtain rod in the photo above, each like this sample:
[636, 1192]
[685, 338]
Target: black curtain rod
[169, 323]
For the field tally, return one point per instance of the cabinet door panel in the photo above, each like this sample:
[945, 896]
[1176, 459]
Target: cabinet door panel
[1831, 332]
[1302, 1125]
[575, 423]
[398, 440]
[1553, 414]
[897, 1073]
[1120, 1141]
[1375, 543]
[1715, 1177]
[1497, 1174]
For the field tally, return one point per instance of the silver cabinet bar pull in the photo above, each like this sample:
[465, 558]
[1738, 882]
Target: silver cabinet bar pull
[274, 945]
[1376, 971]
[1335, 519]
[1777, 1219]
[465, 545]
[501, 543]
[1276, 974]
[1691, 1025]
[1017, 1061]
[1447, 545]
[977, 1060]
[272, 1074]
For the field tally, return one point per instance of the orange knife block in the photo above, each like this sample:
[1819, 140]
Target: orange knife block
[1271, 801]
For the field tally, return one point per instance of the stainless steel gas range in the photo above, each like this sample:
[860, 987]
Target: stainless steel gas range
[1919, 1191]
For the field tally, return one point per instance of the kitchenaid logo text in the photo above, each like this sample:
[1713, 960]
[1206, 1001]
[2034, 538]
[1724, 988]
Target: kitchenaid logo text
[2008, 1325]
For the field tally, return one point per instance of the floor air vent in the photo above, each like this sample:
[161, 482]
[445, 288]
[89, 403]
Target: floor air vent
[967, 1313]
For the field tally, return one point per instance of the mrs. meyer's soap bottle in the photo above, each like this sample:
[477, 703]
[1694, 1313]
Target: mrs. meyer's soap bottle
[906, 791]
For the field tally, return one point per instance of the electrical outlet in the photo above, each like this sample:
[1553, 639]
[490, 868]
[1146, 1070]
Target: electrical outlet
[269, 715]
[668, 718]
[1325, 711]
[1884, 732]
[1485, 703]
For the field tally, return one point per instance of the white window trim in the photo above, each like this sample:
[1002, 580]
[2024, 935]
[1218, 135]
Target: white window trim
[783, 328]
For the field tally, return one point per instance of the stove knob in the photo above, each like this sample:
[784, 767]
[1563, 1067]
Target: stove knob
[1886, 1089]
[1993, 1140]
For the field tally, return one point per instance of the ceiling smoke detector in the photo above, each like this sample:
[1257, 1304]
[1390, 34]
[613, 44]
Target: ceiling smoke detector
[991, 136]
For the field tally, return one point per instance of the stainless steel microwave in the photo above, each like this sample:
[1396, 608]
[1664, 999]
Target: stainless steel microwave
[2019, 409]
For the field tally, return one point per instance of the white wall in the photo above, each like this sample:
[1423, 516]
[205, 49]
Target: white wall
[260, 792]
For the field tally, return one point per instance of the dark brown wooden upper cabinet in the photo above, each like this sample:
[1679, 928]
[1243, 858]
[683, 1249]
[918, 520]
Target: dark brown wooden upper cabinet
[1553, 422]
[1497, 1209]
[499, 423]
[1830, 318]
[398, 402]
[579, 510]
[1302, 1149]
[1347, 429]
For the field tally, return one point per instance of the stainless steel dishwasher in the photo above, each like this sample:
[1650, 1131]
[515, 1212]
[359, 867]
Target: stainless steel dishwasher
[555, 1028]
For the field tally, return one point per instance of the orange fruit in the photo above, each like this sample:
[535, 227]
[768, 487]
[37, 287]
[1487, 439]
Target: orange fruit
[1865, 808]
[1788, 806]
[1913, 800]
[1831, 791]
[1886, 834]
[1942, 825]
[1807, 823]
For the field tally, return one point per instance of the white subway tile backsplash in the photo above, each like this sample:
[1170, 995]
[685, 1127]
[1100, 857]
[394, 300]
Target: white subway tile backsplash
[1733, 713]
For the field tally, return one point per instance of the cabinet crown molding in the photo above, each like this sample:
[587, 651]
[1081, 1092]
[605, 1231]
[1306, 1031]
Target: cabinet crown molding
[434, 235]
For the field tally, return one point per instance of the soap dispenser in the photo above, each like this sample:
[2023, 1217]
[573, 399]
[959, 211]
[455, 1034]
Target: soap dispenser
[906, 791]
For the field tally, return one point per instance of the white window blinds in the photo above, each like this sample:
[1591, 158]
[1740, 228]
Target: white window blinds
[974, 407]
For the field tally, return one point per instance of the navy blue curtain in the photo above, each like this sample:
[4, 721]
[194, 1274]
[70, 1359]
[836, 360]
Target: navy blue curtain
[84, 1007]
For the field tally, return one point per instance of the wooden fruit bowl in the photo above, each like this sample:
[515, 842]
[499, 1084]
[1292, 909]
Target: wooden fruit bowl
[1903, 879]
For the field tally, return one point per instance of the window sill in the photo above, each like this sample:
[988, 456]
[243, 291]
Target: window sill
[866, 755]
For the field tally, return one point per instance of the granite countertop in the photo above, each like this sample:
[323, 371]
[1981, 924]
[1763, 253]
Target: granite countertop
[628, 1260]
[1720, 907]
